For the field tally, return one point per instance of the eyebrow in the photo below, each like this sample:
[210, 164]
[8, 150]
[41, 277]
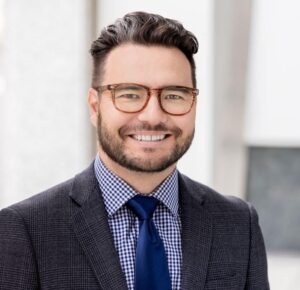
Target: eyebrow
[177, 88]
[133, 87]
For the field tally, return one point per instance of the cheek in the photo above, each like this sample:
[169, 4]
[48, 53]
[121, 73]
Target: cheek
[113, 119]
[185, 123]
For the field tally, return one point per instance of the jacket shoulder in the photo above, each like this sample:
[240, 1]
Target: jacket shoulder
[55, 202]
[211, 199]
[50, 198]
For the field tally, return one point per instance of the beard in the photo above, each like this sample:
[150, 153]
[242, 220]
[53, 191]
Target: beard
[114, 147]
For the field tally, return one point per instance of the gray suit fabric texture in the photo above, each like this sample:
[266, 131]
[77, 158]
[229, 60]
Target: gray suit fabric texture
[60, 239]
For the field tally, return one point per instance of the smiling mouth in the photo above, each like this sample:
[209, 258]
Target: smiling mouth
[150, 138]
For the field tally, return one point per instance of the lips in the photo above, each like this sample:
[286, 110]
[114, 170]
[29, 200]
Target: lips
[149, 138]
[147, 133]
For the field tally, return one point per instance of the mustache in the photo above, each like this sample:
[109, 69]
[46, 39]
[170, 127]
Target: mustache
[147, 127]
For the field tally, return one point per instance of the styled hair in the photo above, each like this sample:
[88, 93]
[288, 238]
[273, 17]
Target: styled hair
[145, 29]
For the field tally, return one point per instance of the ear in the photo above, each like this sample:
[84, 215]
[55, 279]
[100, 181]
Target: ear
[93, 103]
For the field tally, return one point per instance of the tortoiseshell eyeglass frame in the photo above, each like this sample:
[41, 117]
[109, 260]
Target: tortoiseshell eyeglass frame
[194, 92]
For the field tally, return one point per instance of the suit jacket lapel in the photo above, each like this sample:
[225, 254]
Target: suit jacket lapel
[89, 221]
[196, 234]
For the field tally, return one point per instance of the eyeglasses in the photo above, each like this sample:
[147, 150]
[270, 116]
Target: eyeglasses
[133, 98]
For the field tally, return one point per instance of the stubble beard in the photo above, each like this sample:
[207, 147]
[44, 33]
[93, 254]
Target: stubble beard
[114, 148]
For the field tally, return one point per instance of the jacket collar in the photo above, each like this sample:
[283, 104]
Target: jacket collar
[196, 234]
[90, 224]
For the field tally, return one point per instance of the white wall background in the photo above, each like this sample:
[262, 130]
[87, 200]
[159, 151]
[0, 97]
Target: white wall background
[273, 117]
[44, 128]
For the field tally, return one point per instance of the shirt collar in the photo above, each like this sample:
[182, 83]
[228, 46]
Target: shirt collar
[116, 192]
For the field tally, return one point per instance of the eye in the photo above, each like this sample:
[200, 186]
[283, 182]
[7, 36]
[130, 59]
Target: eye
[173, 97]
[128, 96]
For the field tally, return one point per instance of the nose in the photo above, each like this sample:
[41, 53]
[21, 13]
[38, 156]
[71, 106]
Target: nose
[152, 113]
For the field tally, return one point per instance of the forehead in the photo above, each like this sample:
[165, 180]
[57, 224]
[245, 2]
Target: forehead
[154, 66]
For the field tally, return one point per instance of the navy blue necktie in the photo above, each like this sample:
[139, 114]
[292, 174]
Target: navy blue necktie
[151, 266]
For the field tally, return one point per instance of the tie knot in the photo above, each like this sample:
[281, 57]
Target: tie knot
[143, 206]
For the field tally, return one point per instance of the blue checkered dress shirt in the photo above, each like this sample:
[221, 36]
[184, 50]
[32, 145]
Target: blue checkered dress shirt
[124, 225]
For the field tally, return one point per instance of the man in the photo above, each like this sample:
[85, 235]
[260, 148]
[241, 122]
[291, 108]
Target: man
[131, 220]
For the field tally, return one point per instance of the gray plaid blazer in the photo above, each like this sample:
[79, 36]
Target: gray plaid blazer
[60, 239]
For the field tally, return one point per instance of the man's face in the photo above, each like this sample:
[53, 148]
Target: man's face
[119, 133]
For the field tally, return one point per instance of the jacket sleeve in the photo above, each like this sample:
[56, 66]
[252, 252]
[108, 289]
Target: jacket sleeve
[18, 269]
[257, 276]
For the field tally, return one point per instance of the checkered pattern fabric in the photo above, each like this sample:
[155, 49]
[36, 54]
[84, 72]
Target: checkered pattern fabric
[124, 224]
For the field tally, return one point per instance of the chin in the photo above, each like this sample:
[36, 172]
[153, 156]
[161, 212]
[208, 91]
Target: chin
[147, 164]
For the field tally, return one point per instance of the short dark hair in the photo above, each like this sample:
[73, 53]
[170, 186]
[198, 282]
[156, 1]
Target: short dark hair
[146, 29]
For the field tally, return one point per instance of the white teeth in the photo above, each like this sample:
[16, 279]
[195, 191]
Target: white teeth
[149, 138]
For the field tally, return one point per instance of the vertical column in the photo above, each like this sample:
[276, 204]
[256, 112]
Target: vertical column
[45, 130]
[2, 94]
[232, 23]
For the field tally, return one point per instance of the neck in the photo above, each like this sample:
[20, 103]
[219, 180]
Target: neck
[143, 182]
